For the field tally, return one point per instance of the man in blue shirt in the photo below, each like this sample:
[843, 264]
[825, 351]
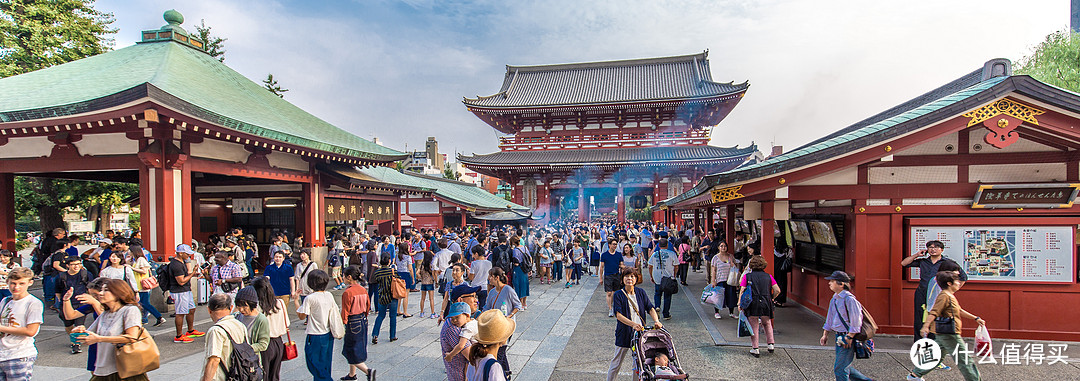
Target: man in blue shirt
[609, 267]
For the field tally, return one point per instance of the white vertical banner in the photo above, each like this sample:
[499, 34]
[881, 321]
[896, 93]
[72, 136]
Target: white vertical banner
[152, 194]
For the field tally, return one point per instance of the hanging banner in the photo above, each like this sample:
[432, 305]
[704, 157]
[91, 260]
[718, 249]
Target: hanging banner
[247, 205]
[378, 210]
[340, 209]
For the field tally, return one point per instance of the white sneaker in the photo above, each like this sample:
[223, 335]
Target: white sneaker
[912, 377]
[718, 315]
[771, 348]
[730, 315]
[611, 314]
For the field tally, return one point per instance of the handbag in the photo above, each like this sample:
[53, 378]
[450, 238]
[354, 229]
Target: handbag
[640, 279]
[290, 351]
[139, 356]
[864, 348]
[944, 325]
[745, 330]
[398, 289]
[716, 296]
[148, 283]
[733, 276]
[337, 327]
[668, 285]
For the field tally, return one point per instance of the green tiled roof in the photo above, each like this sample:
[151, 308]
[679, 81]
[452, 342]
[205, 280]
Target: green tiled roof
[181, 77]
[881, 127]
[457, 192]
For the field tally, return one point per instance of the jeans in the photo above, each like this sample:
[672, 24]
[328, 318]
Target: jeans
[318, 354]
[383, 309]
[954, 343]
[373, 293]
[842, 368]
[48, 286]
[144, 301]
[657, 295]
[683, 269]
[250, 269]
[557, 268]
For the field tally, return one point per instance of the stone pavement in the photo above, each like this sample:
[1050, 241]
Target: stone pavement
[541, 337]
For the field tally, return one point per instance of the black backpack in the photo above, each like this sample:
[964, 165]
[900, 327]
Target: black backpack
[244, 363]
[164, 278]
[501, 258]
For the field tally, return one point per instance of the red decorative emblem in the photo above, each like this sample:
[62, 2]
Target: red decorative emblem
[1001, 118]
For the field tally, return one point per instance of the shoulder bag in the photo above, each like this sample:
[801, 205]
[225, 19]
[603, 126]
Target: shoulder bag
[667, 284]
[290, 351]
[733, 276]
[139, 356]
[864, 348]
[337, 327]
[397, 288]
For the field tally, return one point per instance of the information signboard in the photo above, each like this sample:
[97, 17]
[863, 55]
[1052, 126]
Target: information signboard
[1005, 253]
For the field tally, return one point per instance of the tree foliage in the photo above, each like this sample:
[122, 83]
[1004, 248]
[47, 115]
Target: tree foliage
[1055, 60]
[215, 46]
[271, 84]
[35, 34]
[47, 198]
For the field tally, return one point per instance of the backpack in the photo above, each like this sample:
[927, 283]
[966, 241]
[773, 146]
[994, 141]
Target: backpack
[245, 364]
[501, 258]
[165, 280]
[526, 265]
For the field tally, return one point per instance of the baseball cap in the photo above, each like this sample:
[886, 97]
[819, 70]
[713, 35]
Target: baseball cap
[184, 249]
[839, 276]
[458, 309]
[463, 289]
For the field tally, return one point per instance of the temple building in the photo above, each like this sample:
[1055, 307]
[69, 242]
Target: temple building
[601, 139]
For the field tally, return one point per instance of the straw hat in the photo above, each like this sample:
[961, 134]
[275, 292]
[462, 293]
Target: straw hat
[493, 327]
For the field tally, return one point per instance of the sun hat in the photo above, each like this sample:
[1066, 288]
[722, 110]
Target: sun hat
[458, 309]
[493, 327]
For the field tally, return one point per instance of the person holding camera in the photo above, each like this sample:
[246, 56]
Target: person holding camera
[225, 275]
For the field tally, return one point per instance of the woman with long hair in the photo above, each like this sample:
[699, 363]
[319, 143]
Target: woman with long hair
[354, 309]
[119, 323]
[384, 276]
[116, 267]
[142, 270]
[683, 250]
[763, 289]
[426, 273]
[278, 317]
[520, 278]
[403, 263]
[503, 297]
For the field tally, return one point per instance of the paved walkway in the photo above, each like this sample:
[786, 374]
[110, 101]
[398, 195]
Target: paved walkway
[541, 337]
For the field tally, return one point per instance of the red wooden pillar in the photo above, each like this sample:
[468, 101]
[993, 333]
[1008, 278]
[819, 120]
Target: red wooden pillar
[7, 211]
[582, 206]
[767, 235]
[463, 212]
[313, 205]
[165, 199]
[397, 216]
[729, 227]
[620, 205]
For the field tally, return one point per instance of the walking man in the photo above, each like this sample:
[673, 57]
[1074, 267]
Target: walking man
[180, 289]
[928, 261]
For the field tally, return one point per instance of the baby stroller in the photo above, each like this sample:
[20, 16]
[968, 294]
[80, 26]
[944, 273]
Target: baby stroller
[646, 346]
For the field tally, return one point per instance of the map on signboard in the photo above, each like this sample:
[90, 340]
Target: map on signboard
[990, 252]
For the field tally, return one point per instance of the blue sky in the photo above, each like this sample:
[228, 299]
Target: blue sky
[397, 70]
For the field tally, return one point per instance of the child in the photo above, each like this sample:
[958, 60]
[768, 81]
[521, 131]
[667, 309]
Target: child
[662, 366]
[457, 271]
[77, 279]
[427, 284]
[20, 316]
[459, 317]
[334, 263]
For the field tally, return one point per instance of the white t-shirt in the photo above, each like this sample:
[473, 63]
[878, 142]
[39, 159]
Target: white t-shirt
[317, 307]
[218, 343]
[112, 324]
[441, 262]
[668, 268]
[123, 273]
[25, 311]
[469, 331]
[302, 269]
[480, 268]
[494, 374]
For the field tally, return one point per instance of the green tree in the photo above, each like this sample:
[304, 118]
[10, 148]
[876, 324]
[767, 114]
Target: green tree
[1055, 60]
[35, 34]
[48, 198]
[450, 174]
[271, 84]
[215, 46]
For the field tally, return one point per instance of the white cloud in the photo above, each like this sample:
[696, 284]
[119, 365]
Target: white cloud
[398, 70]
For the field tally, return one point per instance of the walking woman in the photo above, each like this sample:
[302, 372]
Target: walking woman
[354, 309]
[426, 274]
[493, 331]
[404, 267]
[501, 297]
[721, 264]
[546, 258]
[319, 344]
[119, 323]
[278, 319]
[117, 268]
[383, 277]
[631, 304]
[762, 288]
[141, 269]
[630, 260]
[683, 249]
[520, 277]
[948, 335]
[845, 320]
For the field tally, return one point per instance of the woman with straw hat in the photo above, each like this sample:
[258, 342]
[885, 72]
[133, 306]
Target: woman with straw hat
[493, 329]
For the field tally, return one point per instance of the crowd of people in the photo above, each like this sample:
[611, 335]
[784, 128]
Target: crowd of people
[482, 278]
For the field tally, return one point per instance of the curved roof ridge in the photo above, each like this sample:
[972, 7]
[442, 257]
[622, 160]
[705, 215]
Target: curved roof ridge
[612, 63]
